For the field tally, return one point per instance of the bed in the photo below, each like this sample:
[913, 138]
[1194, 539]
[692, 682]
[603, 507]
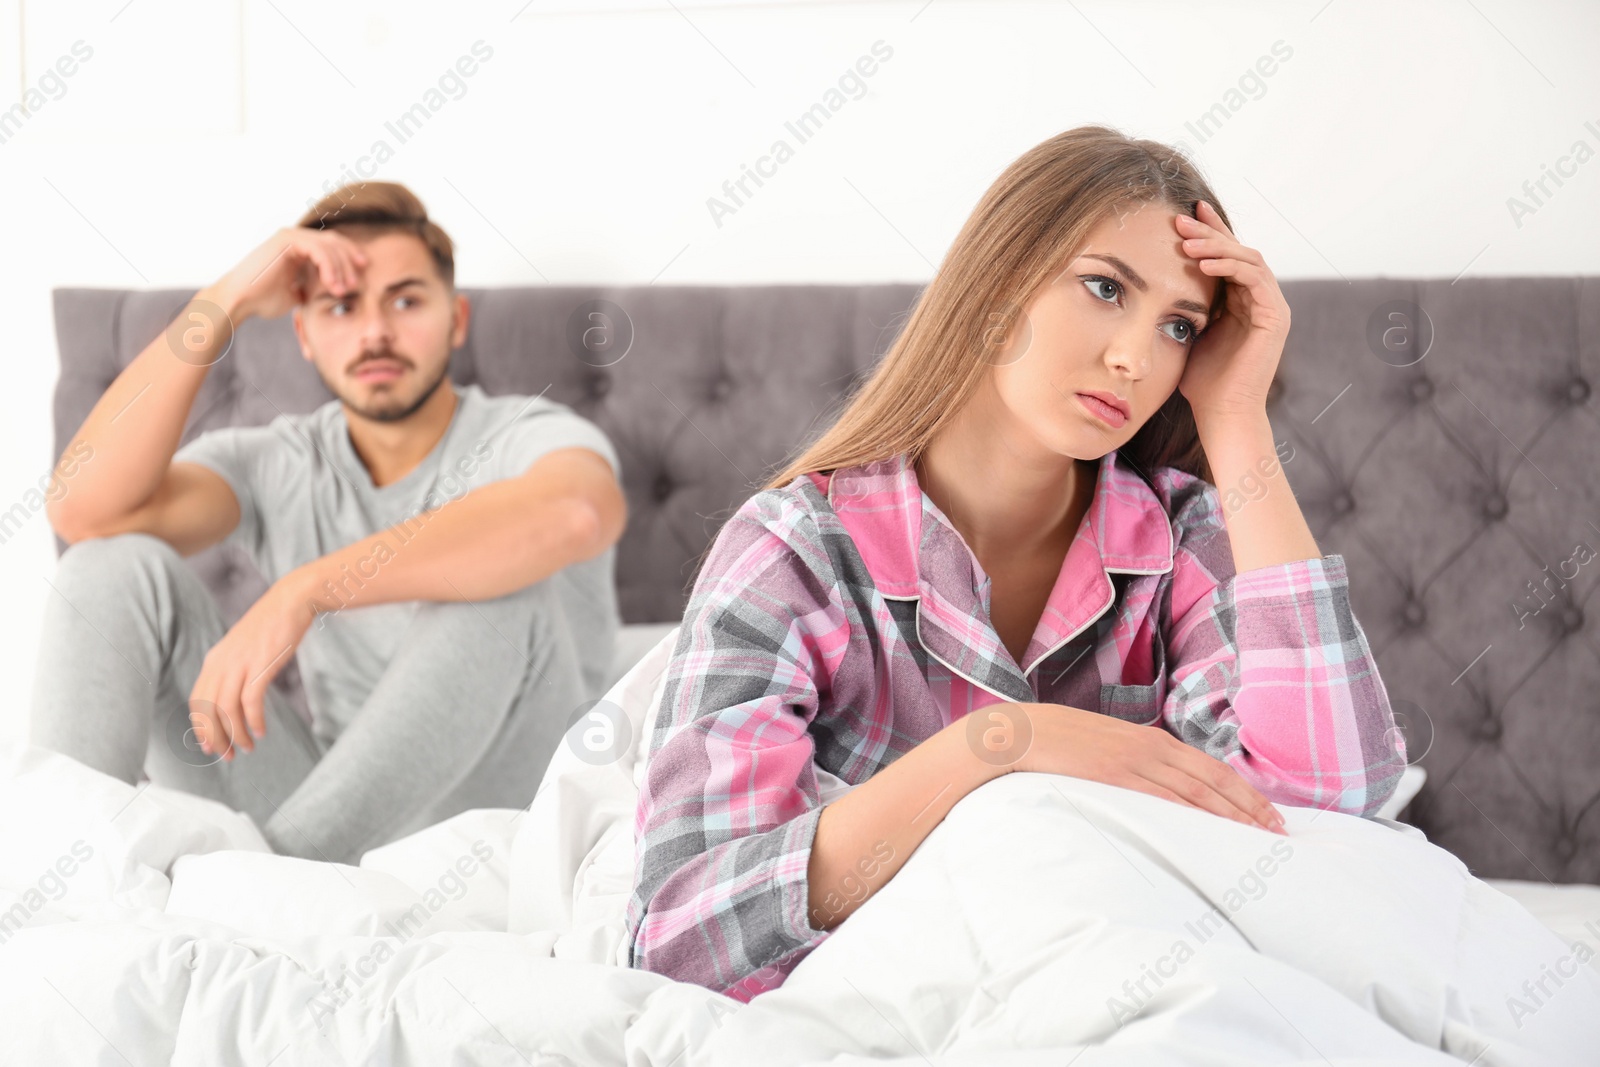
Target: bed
[1461, 927]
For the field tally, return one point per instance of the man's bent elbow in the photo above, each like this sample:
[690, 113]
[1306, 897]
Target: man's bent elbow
[68, 523]
[595, 527]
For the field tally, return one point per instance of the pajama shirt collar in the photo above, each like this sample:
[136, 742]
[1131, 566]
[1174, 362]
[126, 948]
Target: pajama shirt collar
[914, 552]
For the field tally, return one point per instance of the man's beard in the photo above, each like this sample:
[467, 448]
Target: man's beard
[386, 413]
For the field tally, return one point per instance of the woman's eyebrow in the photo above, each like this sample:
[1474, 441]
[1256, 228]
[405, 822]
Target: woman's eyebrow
[1143, 286]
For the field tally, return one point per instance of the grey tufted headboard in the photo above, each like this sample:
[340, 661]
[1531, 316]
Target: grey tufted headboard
[1454, 484]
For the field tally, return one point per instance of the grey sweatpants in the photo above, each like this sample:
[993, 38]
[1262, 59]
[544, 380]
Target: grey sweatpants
[467, 714]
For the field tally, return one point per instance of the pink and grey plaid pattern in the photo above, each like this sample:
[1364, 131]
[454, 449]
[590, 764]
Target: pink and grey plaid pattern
[838, 622]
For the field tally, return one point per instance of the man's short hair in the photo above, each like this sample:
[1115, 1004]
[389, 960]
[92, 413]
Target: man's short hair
[373, 208]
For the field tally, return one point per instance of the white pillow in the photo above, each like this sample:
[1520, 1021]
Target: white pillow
[575, 843]
[1411, 780]
[573, 857]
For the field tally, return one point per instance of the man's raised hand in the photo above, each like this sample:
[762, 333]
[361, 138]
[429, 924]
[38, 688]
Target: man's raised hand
[283, 272]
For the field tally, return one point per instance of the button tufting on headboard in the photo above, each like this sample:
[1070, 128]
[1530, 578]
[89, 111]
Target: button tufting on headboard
[663, 487]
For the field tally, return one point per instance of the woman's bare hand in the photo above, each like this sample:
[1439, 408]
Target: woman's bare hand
[1057, 739]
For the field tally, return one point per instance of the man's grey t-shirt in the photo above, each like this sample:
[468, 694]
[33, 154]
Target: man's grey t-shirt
[304, 492]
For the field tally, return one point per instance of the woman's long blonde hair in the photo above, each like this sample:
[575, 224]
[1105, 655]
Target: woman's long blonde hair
[1030, 223]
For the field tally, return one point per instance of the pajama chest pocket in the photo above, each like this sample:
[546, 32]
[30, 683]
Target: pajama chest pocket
[1138, 704]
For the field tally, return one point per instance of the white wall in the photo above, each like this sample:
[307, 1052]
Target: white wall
[585, 148]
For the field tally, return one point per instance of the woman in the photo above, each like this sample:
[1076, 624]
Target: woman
[1008, 554]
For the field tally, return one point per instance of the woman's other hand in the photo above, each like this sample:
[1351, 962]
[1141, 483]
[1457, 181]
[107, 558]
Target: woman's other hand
[1057, 739]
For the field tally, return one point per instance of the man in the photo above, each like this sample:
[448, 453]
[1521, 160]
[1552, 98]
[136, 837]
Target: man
[440, 560]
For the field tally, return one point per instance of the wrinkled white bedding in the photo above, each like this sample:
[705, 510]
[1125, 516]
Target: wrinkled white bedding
[1047, 918]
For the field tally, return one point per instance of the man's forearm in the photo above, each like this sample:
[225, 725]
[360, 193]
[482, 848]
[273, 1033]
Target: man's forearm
[488, 543]
[134, 428]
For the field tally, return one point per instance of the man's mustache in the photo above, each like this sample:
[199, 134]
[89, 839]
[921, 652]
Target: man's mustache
[372, 357]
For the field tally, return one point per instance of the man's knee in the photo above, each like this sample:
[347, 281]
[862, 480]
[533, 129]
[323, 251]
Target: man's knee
[116, 555]
[100, 564]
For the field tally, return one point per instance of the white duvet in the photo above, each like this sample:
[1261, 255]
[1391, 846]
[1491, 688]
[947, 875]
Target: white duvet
[1047, 920]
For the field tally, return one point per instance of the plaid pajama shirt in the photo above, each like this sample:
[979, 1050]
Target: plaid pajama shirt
[838, 622]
